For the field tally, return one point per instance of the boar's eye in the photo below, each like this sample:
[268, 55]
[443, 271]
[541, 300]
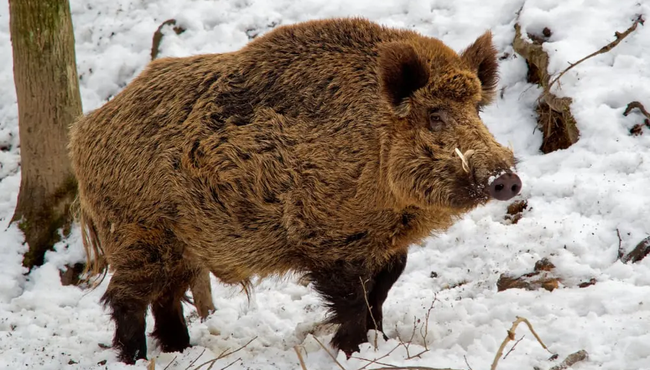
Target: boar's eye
[436, 119]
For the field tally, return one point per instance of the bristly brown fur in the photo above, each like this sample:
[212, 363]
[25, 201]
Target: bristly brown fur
[401, 72]
[481, 56]
[324, 148]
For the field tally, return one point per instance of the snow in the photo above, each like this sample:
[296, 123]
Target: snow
[578, 198]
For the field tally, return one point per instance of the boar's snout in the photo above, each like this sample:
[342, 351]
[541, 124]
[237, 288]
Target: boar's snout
[505, 187]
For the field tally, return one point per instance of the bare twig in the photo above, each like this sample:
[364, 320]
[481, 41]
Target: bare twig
[223, 354]
[638, 128]
[407, 344]
[158, 35]
[637, 105]
[424, 331]
[377, 360]
[619, 37]
[425, 327]
[302, 362]
[172, 361]
[365, 296]
[511, 336]
[152, 364]
[621, 252]
[191, 363]
[513, 346]
[412, 368]
[328, 352]
[467, 363]
[571, 360]
[639, 252]
[227, 366]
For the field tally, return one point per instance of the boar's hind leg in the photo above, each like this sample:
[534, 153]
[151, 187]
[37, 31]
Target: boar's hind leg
[170, 328]
[341, 285]
[148, 273]
[384, 280]
[128, 297]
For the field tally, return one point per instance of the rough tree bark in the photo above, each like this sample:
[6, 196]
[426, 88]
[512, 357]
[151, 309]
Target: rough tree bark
[45, 75]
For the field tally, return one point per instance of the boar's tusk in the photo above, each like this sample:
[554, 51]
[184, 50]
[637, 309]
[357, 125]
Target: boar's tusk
[463, 158]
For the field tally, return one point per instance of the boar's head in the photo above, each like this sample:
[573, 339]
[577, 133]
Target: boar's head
[437, 151]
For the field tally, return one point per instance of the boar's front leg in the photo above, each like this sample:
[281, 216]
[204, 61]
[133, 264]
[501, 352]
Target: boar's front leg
[345, 286]
[383, 281]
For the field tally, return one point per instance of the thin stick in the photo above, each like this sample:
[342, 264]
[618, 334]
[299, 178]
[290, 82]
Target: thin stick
[426, 322]
[571, 360]
[412, 368]
[365, 297]
[619, 37]
[328, 352]
[513, 346]
[191, 363]
[376, 361]
[227, 366]
[222, 355]
[637, 105]
[152, 364]
[302, 362]
[511, 336]
[467, 363]
[172, 361]
[620, 252]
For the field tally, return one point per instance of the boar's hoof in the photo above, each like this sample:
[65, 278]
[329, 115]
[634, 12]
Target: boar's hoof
[505, 187]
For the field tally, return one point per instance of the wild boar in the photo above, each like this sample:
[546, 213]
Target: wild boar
[324, 148]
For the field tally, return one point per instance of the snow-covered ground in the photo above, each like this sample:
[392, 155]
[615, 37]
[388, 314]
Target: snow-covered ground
[578, 199]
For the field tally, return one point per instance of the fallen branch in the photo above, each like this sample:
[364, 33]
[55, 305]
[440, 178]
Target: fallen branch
[425, 327]
[555, 120]
[223, 354]
[158, 35]
[412, 368]
[227, 366]
[372, 316]
[467, 362]
[639, 252]
[302, 362]
[571, 360]
[377, 360]
[638, 128]
[511, 336]
[513, 346]
[328, 352]
[174, 359]
[637, 105]
[554, 117]
[191, 363]
[621, 251]
[619, 37]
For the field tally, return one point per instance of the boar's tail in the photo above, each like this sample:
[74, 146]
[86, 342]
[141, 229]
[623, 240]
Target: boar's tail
[95, 262]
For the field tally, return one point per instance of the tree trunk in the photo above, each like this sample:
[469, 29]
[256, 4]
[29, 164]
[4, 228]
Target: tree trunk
[45, 75]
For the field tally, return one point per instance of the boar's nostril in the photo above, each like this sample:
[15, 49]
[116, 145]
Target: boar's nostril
[505, 186]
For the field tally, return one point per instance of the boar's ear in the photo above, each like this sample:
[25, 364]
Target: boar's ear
[401, 72]
[481, 56]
